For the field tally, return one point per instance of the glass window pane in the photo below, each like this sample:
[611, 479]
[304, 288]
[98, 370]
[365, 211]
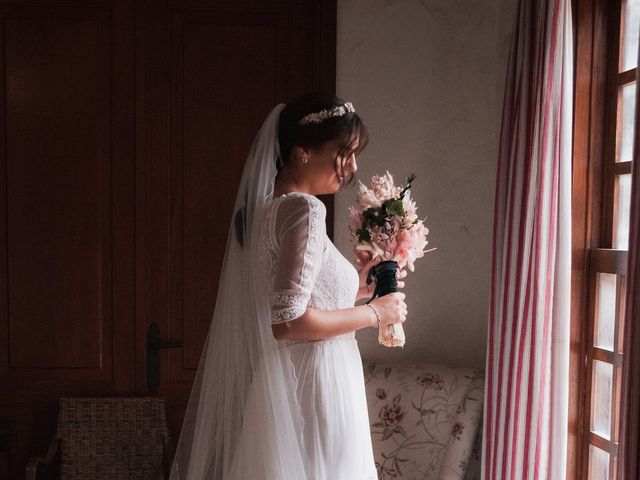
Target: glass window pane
[605, 310]
[621, 211]
[626, 119]
[598, 464]
[601, 398]
[629, 35]
[622, 298]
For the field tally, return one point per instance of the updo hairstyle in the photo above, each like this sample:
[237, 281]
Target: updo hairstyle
[348, 127]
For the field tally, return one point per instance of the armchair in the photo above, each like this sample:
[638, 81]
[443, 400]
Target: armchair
[109, 438]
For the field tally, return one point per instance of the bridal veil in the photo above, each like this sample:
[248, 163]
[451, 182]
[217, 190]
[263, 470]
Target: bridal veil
[243, 420]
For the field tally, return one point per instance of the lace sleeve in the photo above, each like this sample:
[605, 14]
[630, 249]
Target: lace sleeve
[300, 235]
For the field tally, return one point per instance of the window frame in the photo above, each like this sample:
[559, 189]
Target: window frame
[594, 171]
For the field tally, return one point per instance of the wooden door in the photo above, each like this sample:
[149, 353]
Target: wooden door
[212, 73]
[67, 212]
[124, 126]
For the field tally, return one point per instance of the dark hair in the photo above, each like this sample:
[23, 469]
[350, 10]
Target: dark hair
[348, 127]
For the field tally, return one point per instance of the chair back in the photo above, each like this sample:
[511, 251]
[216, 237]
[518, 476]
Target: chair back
[111, 438]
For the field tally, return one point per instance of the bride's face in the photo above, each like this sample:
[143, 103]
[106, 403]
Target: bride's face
[326, 163]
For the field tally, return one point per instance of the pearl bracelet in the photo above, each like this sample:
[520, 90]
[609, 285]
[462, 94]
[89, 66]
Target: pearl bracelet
[375, 310]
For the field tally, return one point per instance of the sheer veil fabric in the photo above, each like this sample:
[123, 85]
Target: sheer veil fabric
[243, 419]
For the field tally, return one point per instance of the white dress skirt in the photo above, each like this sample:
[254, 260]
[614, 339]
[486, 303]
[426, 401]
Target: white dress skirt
[305, 269]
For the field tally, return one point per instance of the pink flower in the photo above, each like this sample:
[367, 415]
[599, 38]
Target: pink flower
[382, 186]
[400, 237]
[456, 430]
[392, 414]
[404, 244]
[410, 211]
[354, 219]
[363, 257]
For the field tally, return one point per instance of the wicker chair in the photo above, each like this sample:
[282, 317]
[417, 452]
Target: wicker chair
[109, 438]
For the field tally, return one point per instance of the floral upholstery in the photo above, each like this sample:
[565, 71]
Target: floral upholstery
[425, 420]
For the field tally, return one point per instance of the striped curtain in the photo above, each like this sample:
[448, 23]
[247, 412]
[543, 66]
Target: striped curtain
[526, 404]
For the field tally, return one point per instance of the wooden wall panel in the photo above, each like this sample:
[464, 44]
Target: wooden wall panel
[124, 128]
[238, 55]
[58, 192]
[58, 216]
[67, 212]
[212, 72]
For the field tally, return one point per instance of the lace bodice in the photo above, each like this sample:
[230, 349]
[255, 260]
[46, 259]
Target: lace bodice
[302, 265]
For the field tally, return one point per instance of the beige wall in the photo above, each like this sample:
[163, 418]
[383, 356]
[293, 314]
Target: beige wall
[427, 78]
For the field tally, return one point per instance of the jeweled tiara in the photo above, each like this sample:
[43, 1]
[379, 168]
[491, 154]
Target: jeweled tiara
[321, 116]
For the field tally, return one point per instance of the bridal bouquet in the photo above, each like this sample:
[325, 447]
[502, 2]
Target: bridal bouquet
[384, 224]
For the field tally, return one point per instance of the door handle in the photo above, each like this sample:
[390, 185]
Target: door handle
[154, 344]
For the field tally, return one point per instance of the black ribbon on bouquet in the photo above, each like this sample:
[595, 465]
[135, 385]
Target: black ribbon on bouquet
[385, 275]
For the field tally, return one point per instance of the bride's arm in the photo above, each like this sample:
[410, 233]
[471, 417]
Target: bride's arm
[299, 229]
[366, 290]
[316, 324]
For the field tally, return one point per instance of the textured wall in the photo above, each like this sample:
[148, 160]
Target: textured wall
[427, 78]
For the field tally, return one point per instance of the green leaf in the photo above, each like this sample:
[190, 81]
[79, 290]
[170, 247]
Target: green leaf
[400, 430]
[407, 186]
[396, 465]
[394, 207]
[387, 433]
[373, 217]
[363, 235]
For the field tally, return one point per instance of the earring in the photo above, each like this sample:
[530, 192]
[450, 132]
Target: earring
[305, 159]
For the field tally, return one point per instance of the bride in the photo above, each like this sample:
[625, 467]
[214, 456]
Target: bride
[279, 392]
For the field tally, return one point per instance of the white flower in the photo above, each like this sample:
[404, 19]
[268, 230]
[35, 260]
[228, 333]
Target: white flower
[366, 197]
[382, 187]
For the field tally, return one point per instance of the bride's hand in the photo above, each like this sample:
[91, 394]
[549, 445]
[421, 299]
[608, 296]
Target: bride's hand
[401, 274]
[364, 290]
[392, 308]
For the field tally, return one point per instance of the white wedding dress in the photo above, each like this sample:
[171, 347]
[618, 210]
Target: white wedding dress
[304, 268]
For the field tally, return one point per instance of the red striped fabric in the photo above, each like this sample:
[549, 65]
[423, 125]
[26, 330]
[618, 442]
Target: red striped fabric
[521, 401]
